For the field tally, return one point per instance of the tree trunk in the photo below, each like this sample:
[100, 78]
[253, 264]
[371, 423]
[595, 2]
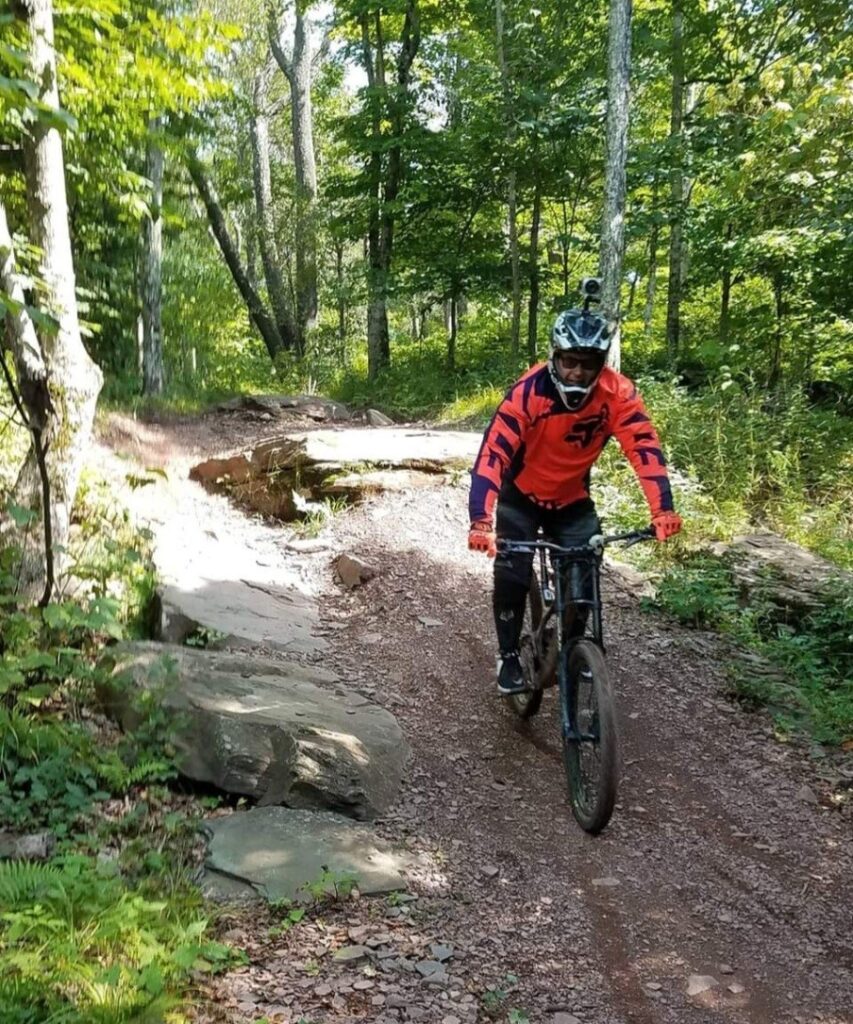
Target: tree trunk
[74, 380]
[512, 199]
[775, 371]
[262, 181]
[341, 294]
[384, 189]
[297, 66]
[726, 291]
[652, 267]
[453, 330]
[676, 188]
[254, 303]
[533, 265]
[19, 336]
[151, 277]
[613, 217]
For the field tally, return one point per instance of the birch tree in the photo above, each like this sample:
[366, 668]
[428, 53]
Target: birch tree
[151, 270]
[613, 218]
[74, 381]
[293, 36]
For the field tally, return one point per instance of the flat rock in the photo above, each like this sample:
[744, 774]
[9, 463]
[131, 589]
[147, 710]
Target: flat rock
[276, 732]
[279, 851]
[699, 983]
[352, 462]
[26, 846]
[227, 612]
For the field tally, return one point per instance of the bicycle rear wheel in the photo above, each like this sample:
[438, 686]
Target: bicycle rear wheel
[591, 752]
[527, 704]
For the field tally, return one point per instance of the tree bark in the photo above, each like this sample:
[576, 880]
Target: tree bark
[297, 66]
[533, 269]
[384, 187]
[262, 186]
[616, 149]
[73, 378]
[151, 277]
[775, 371]
[453, 329]
[726, 290]
[652, 266]
[261, 318]
[511, 185]
[20, 336]
[676, 188]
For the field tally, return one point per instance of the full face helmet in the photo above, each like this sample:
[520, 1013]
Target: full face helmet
[578, 330]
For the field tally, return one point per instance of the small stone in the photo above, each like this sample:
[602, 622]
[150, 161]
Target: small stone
[736, 988]
[323, 990]
[450, 1019]
[652, 986]
[362, 985]
[565, 1018]
[427, 968]
[807, 795]
[429, 623]
[441, 952]
[348, 954]
[490, 871]
[699, 983]
[726, 969]
[607, 882]
[353, 572]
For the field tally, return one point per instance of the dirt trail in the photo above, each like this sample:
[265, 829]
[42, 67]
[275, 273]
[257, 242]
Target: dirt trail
[717, 863]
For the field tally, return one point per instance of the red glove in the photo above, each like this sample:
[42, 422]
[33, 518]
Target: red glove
[666, 524]
[481, 537]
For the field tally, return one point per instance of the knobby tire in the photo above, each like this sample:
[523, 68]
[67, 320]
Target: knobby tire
[527, 704]
[592, 768]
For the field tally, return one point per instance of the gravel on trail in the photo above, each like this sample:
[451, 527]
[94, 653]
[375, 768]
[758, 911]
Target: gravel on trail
[721, 891]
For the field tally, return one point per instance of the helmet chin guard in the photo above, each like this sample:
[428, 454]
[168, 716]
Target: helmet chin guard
[573, 395]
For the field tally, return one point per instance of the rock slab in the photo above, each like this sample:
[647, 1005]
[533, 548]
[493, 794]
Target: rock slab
[280, 851]
[279, 733]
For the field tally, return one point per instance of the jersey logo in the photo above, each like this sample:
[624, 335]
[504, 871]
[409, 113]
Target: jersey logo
[583, 432]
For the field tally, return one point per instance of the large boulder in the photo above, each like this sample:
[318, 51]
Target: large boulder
[794, 580]
[276, 732]
[279, 852]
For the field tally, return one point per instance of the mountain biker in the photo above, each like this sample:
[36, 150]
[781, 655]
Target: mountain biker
[535, 463]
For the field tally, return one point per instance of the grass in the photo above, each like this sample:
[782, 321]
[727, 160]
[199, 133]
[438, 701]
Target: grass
[805, 669]
[110, 929]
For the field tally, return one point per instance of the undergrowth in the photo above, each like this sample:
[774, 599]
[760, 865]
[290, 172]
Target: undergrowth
[109, 929]
[805, 670]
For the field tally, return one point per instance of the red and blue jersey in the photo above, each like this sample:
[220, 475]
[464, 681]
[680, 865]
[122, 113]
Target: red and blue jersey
[547, 450]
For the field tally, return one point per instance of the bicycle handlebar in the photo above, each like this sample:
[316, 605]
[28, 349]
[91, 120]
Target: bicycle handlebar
[596, 544]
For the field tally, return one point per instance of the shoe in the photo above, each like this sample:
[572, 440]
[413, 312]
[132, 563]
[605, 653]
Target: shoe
[510, 675]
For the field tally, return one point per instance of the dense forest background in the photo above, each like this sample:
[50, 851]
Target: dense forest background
[387, 203]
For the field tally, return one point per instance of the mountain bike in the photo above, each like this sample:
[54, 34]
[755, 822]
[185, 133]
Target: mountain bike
[562, 644]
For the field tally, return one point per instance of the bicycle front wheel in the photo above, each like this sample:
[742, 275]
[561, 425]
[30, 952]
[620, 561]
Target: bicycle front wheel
[591, 746]
[527, 704]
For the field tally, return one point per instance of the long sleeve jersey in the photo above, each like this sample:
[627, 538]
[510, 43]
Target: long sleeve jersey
[547, 450]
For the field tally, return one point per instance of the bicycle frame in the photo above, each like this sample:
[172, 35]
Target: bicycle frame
[569, 576]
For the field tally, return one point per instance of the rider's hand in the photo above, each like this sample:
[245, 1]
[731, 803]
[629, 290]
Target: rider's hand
[481, 537]
[666, 524]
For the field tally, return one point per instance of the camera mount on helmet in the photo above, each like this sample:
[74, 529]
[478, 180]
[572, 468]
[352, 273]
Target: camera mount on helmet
[591, 291]
[579, 330]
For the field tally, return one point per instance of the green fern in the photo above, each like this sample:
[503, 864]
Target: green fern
[22, 881]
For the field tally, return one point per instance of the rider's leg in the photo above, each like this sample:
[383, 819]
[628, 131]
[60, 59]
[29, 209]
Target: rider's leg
[517, 519]
[569, 526]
